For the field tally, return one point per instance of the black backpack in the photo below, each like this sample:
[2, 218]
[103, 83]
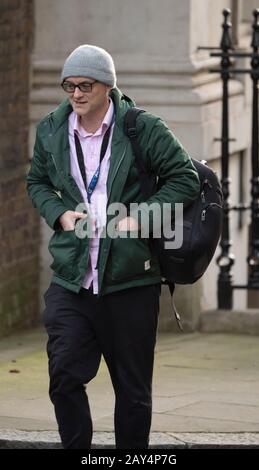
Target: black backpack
[202, 221]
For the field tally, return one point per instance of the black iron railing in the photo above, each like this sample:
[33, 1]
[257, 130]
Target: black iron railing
[226, 259]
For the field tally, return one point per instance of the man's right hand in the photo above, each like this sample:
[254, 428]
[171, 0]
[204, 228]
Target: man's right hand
[68, 219]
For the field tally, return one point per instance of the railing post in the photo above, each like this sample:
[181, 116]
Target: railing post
[226, 259]
[253, 258]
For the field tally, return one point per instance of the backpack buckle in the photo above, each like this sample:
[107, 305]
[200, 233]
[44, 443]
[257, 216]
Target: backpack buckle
[132, 132]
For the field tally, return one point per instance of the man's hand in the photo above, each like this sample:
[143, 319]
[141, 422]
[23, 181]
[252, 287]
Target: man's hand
[68, 219]
[127, 224]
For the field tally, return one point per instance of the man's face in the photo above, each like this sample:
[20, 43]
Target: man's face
[89, 102]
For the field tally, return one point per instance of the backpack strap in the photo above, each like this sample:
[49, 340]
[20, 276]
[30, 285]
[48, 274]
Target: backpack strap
[171, 286]
[130, 130]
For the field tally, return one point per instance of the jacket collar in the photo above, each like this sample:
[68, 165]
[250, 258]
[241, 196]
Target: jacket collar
[58, 143]
[59, 116]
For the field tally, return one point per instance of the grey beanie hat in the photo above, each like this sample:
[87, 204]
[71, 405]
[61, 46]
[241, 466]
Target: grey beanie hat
[90, 61]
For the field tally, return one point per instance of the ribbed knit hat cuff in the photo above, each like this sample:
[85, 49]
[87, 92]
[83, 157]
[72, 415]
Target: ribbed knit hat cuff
[81, 71]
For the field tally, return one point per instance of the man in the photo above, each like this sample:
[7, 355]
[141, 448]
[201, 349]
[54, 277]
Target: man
[104, 294]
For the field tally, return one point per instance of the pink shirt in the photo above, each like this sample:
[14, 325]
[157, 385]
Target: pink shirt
[91, 147]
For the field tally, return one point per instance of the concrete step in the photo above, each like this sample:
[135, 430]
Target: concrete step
[11, 439]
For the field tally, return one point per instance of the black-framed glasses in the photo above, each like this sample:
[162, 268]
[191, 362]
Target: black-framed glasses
[70, 87]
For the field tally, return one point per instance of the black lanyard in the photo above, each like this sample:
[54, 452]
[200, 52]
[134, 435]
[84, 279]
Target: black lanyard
[80, 158]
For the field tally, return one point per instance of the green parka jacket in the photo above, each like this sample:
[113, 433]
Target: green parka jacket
[122, 262]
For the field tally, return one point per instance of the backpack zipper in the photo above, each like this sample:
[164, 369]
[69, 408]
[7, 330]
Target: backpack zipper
[203, 212]
[205, 182]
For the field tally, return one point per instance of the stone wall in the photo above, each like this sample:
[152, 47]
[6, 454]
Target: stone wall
[19, 225]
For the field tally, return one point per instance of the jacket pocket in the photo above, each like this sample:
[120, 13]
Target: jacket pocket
[64, 248]
[131, 258]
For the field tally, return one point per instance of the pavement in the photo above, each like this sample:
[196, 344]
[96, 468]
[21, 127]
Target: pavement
[205, 393]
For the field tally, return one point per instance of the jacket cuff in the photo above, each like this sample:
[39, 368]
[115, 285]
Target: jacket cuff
[52, 219]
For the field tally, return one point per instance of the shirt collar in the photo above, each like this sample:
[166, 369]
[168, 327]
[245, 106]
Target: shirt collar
[107, 120]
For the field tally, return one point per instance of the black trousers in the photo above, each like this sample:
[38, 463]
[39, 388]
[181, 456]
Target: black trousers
[122, 326]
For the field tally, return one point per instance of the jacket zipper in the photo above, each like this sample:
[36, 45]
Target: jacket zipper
[108, 196]
[110, 193]
[58, 172]
[116, 171]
